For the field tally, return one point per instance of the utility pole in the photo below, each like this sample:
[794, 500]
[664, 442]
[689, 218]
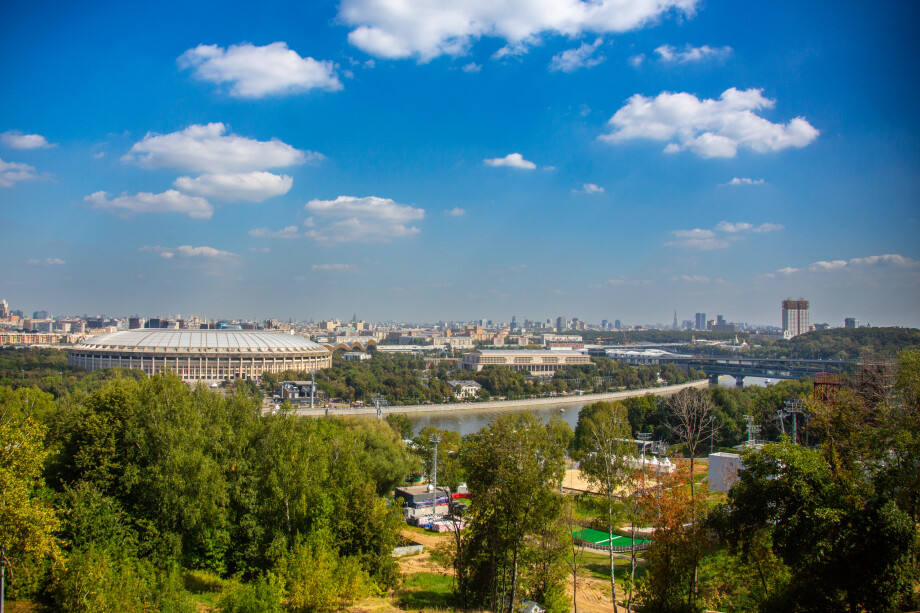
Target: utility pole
[312, 387]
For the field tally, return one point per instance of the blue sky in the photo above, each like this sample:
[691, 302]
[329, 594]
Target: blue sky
[458, 160]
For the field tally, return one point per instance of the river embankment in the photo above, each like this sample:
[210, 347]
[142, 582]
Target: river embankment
[492, 405]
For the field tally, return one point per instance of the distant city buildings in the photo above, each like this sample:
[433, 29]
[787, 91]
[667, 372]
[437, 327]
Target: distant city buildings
[700, 321]
[850, 322]
[795, 316]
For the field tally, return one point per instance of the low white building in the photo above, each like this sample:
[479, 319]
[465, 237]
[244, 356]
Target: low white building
[468, 389]
[356, 356]
[723, 471]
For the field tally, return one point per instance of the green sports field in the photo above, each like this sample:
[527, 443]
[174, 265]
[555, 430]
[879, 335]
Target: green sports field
[602, 538]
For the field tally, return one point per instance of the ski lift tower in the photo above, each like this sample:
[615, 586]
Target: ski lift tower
[753, 431]
[380, 403]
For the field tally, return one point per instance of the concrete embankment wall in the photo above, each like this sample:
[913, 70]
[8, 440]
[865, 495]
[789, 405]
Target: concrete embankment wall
[503, 404]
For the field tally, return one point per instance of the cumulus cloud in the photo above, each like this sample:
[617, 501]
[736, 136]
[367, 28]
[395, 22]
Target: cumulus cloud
[636, 60]
[691, 279]
[287, 232]
[13, 172]
[255, 186]
[589, 188]
[892, 261]
[512, 160]
[709, 128]
[722, 236]
[372, 219]
[726, 226]
[46, 262]
[170, 201]
[583, 56]
[209, 260]
[207, 148]
[425, 29]
[669, 54]
[14, 139]
[335, 267]
[256, 72]
[745, 181]
[456, 212]
[471, 67]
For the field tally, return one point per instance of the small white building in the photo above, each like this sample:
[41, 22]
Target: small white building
[356, 356]
[723, 471]
[468, 389]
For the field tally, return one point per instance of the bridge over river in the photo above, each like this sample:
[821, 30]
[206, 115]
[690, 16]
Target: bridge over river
[772, 368]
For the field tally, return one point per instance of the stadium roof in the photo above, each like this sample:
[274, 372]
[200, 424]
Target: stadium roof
[201, 340]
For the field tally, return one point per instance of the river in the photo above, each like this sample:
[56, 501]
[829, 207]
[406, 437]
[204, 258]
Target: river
[471, 420]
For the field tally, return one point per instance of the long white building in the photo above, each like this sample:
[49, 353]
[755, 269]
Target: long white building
[541, 363]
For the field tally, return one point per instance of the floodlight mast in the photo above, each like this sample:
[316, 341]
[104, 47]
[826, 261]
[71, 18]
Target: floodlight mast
[435, 439]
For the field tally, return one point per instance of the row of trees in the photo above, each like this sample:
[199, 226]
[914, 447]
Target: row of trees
[112, 492]
[405, 379]
[831, 528]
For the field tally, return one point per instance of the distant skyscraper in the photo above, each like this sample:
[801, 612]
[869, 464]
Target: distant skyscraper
[720, 321]
[795, 316]
[617, 324]
[850, 322]
[674, 326]
[603, 324]
[513, 322]
[701, 321]
[40, 315]
[561, 323]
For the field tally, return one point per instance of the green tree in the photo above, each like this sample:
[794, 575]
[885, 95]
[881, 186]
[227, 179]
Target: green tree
[514, 468]
[28, 523]
[847, 548]
[606, 455]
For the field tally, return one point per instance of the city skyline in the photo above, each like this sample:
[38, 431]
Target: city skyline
[463, 161]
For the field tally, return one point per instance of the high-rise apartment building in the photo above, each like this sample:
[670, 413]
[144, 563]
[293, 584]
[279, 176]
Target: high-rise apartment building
[561, 324]
[850, 322]
[795, 316]
[701, 321]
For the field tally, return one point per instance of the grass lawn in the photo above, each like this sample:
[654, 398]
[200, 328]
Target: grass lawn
[425, 591]
[596, 565]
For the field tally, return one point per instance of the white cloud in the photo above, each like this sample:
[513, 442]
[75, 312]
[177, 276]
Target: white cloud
[691, 279]
[14, 139]
[745, 181]
[335, 267]
[260, 249]
[371, 219]
[47, 262]
[206, 148]
[512, 160]
[471, 67]
[589, 188]
[725, 226]
[456, 212]
[208, 260]
[11, 172]
[256, 72]
[170, 201]
[255, 186]
[425, 29]
[722, 236]
[669, 54]
[288, 232]
[872, 263]
[583, 56]
[709, 128]
[768, 227]
[636, 60]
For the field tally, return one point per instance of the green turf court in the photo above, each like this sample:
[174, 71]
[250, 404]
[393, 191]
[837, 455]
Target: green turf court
[602, 539]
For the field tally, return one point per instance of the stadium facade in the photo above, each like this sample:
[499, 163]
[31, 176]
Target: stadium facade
[201, 355]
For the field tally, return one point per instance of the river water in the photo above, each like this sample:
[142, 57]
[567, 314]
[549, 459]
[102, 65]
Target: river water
[469, 421]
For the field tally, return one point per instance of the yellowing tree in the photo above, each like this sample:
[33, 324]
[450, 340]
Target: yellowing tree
[27, 524]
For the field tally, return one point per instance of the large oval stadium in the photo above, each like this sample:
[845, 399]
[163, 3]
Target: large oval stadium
[201, 355]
